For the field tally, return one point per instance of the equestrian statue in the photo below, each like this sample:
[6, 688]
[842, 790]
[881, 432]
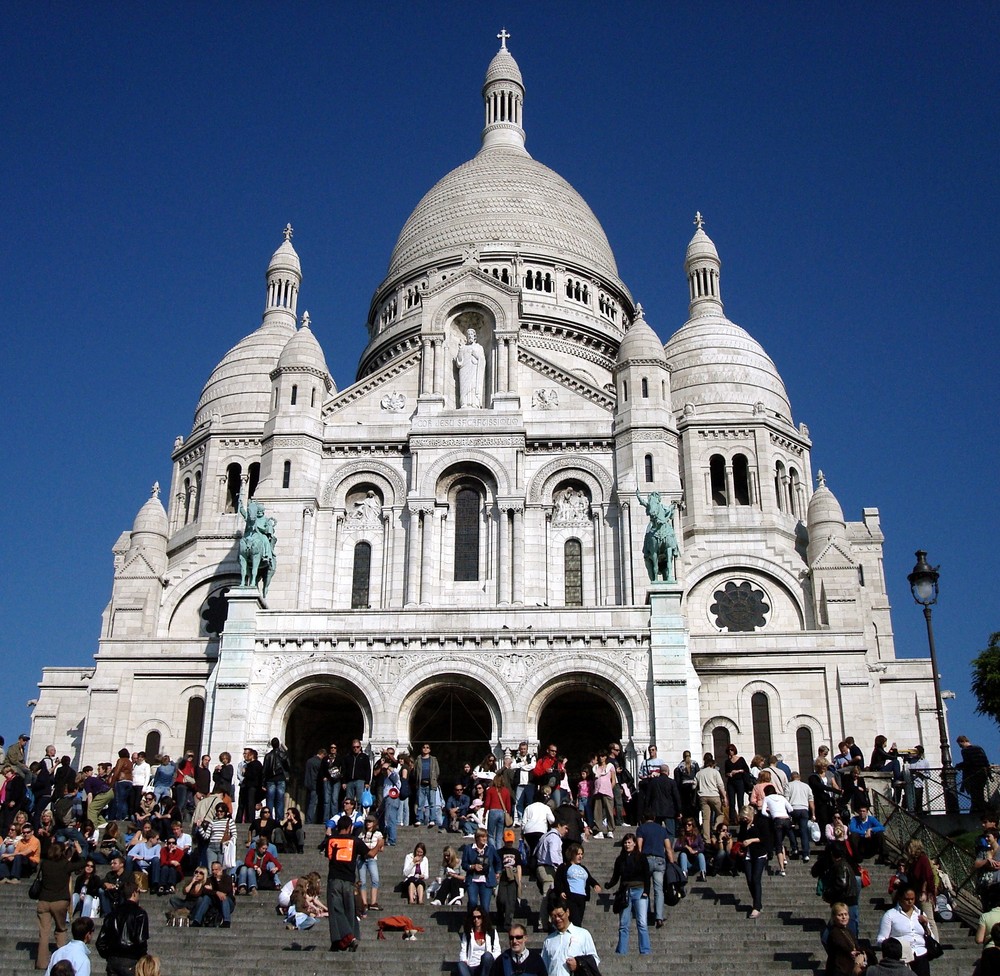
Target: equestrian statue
[257, 545]
[659, 548]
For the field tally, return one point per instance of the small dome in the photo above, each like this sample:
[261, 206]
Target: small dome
[151, 518]
[303, 351]
[285, 259]
[641, 342]
[503, 67]
[239, 389]
[701, 246]
[722, 369]
[825, 512]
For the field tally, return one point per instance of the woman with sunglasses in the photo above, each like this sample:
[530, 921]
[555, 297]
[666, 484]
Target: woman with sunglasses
[86, 904]
[191, 893]
[166, 872]
[479, 944]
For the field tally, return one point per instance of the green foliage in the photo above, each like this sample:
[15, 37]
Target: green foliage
[986, 679]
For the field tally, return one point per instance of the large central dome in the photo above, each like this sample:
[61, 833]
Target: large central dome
[503, 197]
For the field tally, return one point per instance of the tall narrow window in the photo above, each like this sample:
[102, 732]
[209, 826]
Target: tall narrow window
[192, 727]
[234, 482]
[468, 504]
[648, 466]
[804, 750]
[286, 475]
[253, 480]
[295, 394]
[362, 576]
[312, 398]
[197, 495]
[779, 486]
[741, 479]
[720, 742]
[187, 500]
[717, 472]
[793, 492]
[625, 390]
[760, 715]
[573, 569]
[645, 388]
[152, 746]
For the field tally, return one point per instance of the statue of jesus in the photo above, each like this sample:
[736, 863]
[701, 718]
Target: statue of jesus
[471, 364]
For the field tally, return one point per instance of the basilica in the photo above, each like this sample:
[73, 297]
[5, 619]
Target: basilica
[451, 549]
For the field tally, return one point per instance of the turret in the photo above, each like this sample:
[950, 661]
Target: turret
[503, 98]
[702, 267]
[284, 278]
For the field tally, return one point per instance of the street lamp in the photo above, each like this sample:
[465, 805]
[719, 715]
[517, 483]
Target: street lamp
[924, 587]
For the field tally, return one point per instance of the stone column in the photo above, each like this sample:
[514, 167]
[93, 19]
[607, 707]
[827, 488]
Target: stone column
[596, 520]
[504, 560]
[730, 486]
[306, 555]
[338, 518]
[427, 558]
[628, 594]
[426, 365]
[439, 358]
[518, 589]
[512, 364]
[413, 542]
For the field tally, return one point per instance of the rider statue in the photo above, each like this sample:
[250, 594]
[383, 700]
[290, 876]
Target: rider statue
[659, 548]
[257, 545]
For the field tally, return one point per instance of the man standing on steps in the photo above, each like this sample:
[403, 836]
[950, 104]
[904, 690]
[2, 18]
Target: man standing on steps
[975, 767]
[357, 772]
[427, 772]
[549, 856]
[344, 851]
[518, 960]
[312, 780]
[568, 947]
[277, 769]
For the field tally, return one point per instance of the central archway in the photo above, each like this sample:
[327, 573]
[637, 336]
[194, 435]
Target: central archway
[318, 719]
[580, 721]
[458, 725]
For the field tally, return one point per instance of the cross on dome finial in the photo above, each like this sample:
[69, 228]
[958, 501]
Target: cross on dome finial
[503, 36]
[699, 221]
[305, 319]
[821, 478]
[156, 489]
[638, 310]
[288, 232]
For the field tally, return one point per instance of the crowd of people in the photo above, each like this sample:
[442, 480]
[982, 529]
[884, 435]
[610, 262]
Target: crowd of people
[202, 834]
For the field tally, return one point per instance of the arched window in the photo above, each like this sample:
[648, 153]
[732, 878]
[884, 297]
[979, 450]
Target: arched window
[152, 747]
[286, 475]
[625, 390]
[648, 465]
[275, 396]
[312, 398]
[234, 482]
[760, 716]
[295, 394]
[573, 570]
[192, 727]
[793, 492]
[253, 479]
[741, 479]
[187, 500]
[779, 486]
[720, 742]
[717, 472]
[645, 388]
[804, 750]
[468, 506]
[362, 576]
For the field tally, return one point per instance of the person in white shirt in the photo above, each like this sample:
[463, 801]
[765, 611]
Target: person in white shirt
[142, 773]
[564, 947]
[906, 923]
[800, 796]
[779, 810]
[523, 763]
[77, 951]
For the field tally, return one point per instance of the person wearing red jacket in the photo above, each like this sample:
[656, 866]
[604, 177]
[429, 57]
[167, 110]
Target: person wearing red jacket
[260, 865]
[549, 771]
[166, 873]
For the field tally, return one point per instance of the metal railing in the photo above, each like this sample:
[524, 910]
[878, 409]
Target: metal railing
[938, 790]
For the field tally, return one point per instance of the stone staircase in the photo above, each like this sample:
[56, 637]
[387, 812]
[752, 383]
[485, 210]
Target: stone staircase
[708, 932]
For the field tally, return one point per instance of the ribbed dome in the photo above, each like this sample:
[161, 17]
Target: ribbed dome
[718, 366]
[824, 510]
[641, 342]
[503, 197]
[151, 519]
[503, 67]
[701, 246]
[239, 389]
[304, 351]
[285, 259]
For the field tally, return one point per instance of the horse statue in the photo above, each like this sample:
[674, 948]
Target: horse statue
[257, 546]
[659, 548]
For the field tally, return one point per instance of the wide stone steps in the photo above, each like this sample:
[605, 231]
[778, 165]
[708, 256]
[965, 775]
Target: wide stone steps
[706, 933]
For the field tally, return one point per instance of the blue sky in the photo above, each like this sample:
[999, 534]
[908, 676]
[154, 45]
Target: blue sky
[844, 157]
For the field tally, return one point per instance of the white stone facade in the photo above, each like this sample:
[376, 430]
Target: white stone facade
[491, 557]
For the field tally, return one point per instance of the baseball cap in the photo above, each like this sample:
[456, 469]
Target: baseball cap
[508, 836]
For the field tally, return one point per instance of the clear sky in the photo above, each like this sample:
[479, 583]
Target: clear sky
[844, 156]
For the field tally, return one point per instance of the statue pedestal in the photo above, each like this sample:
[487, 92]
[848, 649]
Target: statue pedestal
[229, 685]
[676, 705]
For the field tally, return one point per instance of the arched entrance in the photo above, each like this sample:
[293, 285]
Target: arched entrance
[579, 721]
[457, 723]
[318, 719]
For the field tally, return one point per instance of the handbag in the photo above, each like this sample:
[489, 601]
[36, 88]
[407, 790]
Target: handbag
[393, 793]
[814, 831]
[35, 888]
[934, 948]
[508, 819]
[621, 900]
[866, 878]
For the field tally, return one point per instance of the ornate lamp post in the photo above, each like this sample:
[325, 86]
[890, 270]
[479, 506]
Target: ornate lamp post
[924, 587]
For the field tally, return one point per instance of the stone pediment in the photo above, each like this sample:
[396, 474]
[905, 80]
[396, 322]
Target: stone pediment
[462, 277]
[137, 567]
[550, 375]
[388, 396]
[836, 555]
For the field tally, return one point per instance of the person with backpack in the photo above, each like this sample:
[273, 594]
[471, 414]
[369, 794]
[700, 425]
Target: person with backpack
[840, 881]
[510, 876]
[277, 769]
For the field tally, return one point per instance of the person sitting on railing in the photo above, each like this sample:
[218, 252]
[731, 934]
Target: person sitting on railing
[886, 760]
[915, 774]
[855, 790]
[866, 834]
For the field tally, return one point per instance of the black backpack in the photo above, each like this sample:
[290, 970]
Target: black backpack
[838, 881]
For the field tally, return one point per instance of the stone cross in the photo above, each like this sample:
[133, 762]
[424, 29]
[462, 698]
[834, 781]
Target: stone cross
[503, 36]
[305, 319]
[698, 220]
[288, 232]
[156, 489]
[638, 311]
